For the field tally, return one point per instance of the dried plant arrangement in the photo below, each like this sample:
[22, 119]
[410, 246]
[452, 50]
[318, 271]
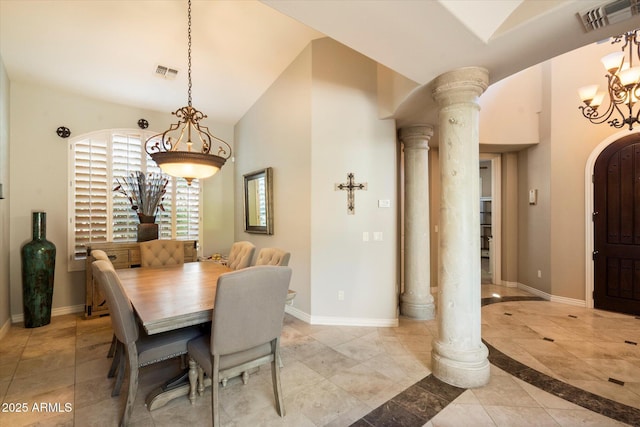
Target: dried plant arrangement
[145, 193]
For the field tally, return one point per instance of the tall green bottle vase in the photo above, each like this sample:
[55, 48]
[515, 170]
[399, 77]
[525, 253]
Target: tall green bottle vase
[38, 267]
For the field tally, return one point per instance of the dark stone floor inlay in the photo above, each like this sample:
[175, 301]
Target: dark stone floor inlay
[413, 407]
[601, 405]
[416, 405]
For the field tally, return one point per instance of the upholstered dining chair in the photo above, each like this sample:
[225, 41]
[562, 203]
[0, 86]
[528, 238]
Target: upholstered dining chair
[101, 255]
[245, 332]
[240, 255]
[139, 349]
[273, 256]
[159, 252]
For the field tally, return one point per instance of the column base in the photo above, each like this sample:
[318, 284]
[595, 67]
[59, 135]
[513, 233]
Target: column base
[425, 311]
[465, 373]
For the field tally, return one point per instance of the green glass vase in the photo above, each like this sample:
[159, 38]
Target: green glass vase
[38, 267]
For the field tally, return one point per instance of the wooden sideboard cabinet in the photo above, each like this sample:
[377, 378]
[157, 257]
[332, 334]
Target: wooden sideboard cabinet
[122, 255]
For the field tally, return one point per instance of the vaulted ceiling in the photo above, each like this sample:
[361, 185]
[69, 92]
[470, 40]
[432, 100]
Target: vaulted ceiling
[110, 49]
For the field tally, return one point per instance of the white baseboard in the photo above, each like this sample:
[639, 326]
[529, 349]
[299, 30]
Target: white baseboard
[534, 291]
[60, 311]
[339, 321]
[351, 321]
[509, 284]
[569, 301]
[552, 298]
[297, 313]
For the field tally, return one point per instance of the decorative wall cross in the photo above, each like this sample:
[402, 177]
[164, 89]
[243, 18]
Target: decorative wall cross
[350, 188]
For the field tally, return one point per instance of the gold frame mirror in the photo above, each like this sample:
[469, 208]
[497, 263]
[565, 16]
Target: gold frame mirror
[258, 202]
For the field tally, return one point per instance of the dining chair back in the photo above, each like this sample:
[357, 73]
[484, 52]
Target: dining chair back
[273, 256]
[246, 328]
[100, 255]
[140, 349]
[160, 252]
[241, 255]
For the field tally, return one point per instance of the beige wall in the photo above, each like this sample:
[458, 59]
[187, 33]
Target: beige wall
[275, 133]
[573, 139]
[509, 186]
[5, 311]
[552, 233]
[348, 136]
[318, 122]
[39, 175]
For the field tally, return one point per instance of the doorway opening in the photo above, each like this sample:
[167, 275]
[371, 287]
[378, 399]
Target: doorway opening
[490, 202]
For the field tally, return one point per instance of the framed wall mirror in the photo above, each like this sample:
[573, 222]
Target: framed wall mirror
[258, 202]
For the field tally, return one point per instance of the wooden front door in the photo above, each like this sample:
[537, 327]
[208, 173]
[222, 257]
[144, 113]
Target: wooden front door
[616, 220]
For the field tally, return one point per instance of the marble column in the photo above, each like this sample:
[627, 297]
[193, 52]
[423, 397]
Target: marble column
[459, 357]
[416, 301]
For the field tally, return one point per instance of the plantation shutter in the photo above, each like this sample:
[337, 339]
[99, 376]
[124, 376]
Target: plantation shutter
[103, 215]
[127, 159]
[187, 203]
[90, 193]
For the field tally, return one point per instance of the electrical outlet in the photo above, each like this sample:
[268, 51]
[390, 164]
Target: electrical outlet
[340, 295]
[539, 274]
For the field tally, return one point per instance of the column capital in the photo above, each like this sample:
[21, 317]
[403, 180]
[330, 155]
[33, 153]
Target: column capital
[417, 135]
[461, 85]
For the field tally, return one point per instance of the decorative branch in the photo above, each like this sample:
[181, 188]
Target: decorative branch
[145, 192]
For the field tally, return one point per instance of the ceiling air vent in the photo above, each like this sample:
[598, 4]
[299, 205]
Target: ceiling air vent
[608, 13]
[166, 72]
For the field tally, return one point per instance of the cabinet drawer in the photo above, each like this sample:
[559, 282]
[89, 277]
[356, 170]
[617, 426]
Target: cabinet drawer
[134, 257]
[119, 257]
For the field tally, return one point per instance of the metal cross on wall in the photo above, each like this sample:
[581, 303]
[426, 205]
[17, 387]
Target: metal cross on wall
[350, 188]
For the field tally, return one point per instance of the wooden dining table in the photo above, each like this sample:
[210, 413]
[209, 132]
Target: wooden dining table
[173, 297]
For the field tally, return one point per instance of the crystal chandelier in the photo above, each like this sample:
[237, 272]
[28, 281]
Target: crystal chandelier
[623, 86]
[175, 151]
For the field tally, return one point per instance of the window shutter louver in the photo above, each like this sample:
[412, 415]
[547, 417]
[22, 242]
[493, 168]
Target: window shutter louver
[102, 215]
[90, 194]
[187, 209]
[126, 159]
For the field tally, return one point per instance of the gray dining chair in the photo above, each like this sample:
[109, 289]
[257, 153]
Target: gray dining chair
[139, 349]
[161, 252]
[100, 255]
[273, 256]
[241, 255]
[245, 332]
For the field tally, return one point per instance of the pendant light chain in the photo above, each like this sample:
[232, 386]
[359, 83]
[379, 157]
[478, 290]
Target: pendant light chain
[189, 54]
[175, 151]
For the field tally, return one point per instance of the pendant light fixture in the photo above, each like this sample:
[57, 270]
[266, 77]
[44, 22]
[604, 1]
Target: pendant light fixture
[186, 149]
[623, 86]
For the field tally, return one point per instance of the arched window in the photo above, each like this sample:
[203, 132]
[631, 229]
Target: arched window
[98, 214]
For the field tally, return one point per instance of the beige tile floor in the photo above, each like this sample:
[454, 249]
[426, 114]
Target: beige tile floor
[333, 375]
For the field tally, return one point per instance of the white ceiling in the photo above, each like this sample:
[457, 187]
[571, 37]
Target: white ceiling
[109, 49]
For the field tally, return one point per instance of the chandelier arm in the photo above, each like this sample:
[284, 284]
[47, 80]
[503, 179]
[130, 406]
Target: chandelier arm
[619, 94]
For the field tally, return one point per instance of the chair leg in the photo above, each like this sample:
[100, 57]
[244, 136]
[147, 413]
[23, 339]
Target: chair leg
[133, 386]
[112, 349]
[275, 378]
[200, 380]
[193, 380]
[215, 379]
[117, 354]
[120, 377]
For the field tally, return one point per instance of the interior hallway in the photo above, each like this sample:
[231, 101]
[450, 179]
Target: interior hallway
[341, 376]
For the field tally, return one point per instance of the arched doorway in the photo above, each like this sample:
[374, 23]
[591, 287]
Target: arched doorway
[616, 226]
